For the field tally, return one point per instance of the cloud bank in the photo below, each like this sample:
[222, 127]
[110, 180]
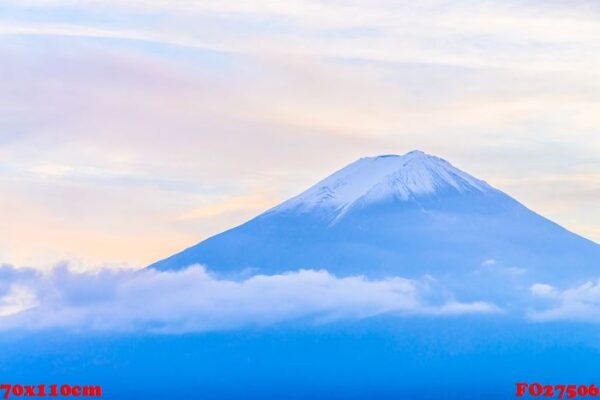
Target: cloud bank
[193, 300]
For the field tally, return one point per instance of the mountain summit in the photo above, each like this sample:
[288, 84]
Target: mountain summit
[375, 179]
[410, 215]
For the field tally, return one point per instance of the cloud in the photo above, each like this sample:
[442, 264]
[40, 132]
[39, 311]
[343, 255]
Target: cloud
[193, 300]
[581, 303]
[492, 34]
[543, 290]
[458, 308]
[18, 299]
[491, 265]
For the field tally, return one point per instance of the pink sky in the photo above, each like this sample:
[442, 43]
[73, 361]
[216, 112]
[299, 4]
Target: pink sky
[132, 129]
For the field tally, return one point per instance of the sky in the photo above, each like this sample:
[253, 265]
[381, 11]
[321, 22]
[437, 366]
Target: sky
[132, 129]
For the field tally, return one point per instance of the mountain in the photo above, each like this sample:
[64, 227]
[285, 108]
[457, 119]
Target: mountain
[410, 215]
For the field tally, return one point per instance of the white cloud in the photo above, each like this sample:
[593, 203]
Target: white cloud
[492, 265]
[194, 300]
[458, 308]
[18, 299]
[581, 303]
[543, 290]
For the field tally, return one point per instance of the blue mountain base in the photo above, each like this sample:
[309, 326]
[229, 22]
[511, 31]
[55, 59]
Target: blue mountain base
[449, 240]
[379, 358]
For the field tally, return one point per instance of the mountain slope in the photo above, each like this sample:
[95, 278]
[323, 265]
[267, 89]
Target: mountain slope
[407, 215]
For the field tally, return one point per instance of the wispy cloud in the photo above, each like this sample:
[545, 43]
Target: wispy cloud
[580, 303]
[192, 300]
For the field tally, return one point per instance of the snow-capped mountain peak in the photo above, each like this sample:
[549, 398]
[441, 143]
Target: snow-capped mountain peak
[412, 215]
[373, 179]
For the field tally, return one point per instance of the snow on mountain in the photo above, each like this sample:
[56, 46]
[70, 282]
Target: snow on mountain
[373, 179]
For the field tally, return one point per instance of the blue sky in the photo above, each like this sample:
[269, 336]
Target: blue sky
[132, 129]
